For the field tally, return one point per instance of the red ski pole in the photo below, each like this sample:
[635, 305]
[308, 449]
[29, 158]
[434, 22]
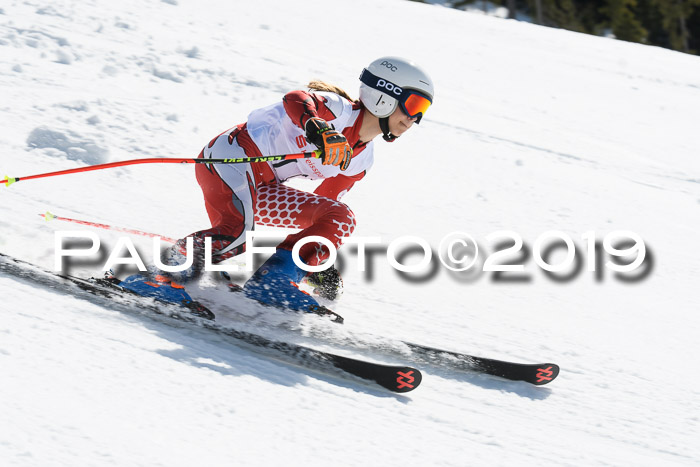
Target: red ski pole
[49, 217]
[238, 160]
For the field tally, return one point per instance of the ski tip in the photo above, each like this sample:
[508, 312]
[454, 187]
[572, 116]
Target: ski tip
[546, 372]
[407, 379]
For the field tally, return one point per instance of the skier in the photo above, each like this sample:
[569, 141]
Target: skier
[394, 94]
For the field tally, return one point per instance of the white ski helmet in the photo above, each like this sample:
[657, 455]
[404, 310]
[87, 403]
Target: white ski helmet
[389, 83]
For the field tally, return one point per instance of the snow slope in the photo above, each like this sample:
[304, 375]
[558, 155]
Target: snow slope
[532, 130]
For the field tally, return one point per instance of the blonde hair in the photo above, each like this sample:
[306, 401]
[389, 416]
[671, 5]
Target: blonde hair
[318, 85]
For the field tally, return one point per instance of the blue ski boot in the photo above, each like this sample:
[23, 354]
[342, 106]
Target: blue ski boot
[275, 284]
[164, 289]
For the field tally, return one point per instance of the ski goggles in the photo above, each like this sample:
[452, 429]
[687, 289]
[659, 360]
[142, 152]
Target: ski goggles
[413, 103]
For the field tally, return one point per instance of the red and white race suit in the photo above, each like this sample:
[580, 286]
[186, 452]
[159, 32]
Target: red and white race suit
[240, 196]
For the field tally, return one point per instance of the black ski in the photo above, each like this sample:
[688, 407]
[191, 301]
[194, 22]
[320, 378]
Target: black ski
[534, 373]
[398, 379]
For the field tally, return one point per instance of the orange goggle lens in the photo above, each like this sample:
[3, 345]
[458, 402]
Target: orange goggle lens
[416, 104]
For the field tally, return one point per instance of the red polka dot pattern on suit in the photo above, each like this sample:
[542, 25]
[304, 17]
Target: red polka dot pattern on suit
[283, 206]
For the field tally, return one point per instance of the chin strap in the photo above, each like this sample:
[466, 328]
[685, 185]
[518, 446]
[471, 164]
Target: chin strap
[384, 125]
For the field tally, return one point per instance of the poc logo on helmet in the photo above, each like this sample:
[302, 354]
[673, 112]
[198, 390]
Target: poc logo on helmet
[389, 87]
[388, 65]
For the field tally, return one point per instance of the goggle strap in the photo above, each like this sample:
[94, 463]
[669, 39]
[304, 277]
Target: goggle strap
[381, 84]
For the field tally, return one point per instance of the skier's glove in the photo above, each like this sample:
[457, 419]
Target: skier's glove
[334, 147]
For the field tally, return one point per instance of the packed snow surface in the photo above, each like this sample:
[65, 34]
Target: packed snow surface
[532, 130]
